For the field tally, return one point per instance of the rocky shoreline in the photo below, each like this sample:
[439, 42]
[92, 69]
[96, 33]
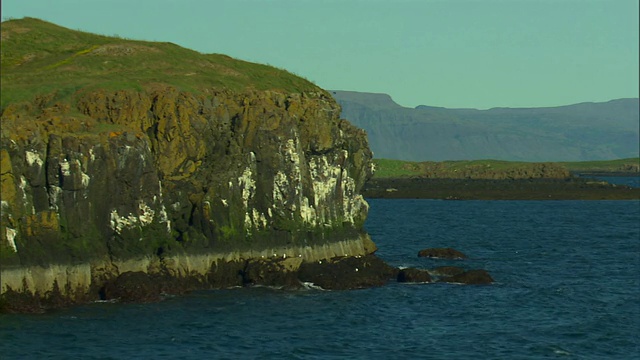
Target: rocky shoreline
[290, 273]
[510, 189]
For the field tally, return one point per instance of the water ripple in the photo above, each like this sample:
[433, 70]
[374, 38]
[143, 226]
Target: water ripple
[567, 287]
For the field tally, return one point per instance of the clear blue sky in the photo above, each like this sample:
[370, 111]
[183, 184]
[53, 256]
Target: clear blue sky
[451, 53]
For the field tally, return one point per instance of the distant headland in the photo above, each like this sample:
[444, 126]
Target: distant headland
[503, 180]
[578, 132]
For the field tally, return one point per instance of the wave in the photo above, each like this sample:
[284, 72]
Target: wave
[311, 286]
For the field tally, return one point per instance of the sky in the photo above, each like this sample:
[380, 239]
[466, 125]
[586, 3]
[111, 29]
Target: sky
[450, 53]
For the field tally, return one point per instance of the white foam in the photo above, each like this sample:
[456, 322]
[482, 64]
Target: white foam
[415, 282]
[561, 352]
[311, 286]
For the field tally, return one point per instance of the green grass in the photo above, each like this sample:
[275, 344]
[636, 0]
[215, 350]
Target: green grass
[602, 166]
[386, 168]
[42, 58]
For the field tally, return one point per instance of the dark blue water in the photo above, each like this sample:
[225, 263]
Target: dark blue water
[567, 287]
[632, 181]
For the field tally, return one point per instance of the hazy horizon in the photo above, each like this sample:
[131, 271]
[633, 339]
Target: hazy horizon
[495, 107]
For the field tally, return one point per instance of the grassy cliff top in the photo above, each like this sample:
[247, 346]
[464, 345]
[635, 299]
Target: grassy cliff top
[39, 57]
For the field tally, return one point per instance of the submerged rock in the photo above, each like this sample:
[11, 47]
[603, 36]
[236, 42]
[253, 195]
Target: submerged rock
[442, 253]
[470, 277]
[413, 275]
[446, 270]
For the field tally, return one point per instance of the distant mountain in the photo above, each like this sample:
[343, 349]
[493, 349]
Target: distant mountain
[580, 132]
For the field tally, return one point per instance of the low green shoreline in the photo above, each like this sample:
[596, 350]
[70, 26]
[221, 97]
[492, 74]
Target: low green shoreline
[502, 180]
[465, 189]
[498, 169]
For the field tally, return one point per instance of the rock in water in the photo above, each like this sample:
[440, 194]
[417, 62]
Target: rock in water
[470, 277]
[413, 275]
[132, 287]
[447, 270]
[442, 253]
[342, 273]
[269, 272]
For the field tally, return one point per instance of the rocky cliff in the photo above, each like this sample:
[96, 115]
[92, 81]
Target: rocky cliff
[161, 175]
[174, 182]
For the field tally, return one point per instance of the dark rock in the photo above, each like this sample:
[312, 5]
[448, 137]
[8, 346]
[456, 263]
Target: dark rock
[132, 287]
[180, 285]
[447, 270]
[268, 272]
[12, 301]
[470, 277]
[480, 189]
[413, 275]
[442, 253]
[342, 273]
[54, 298]
[226, 274]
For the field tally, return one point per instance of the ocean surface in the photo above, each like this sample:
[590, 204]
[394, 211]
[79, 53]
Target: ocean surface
[632, 181]
[567, 287]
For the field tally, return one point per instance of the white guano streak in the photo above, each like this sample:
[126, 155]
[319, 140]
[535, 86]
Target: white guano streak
[33, 158]
[145, 217]
[11, 238]
[252, 217]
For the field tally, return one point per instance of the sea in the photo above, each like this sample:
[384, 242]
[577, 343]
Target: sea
[632, 181]
[567, 286]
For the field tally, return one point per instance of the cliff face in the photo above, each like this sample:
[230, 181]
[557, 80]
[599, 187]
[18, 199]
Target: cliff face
[168, 181]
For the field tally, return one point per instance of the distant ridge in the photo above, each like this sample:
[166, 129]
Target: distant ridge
[578, 132]
[370, 100]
